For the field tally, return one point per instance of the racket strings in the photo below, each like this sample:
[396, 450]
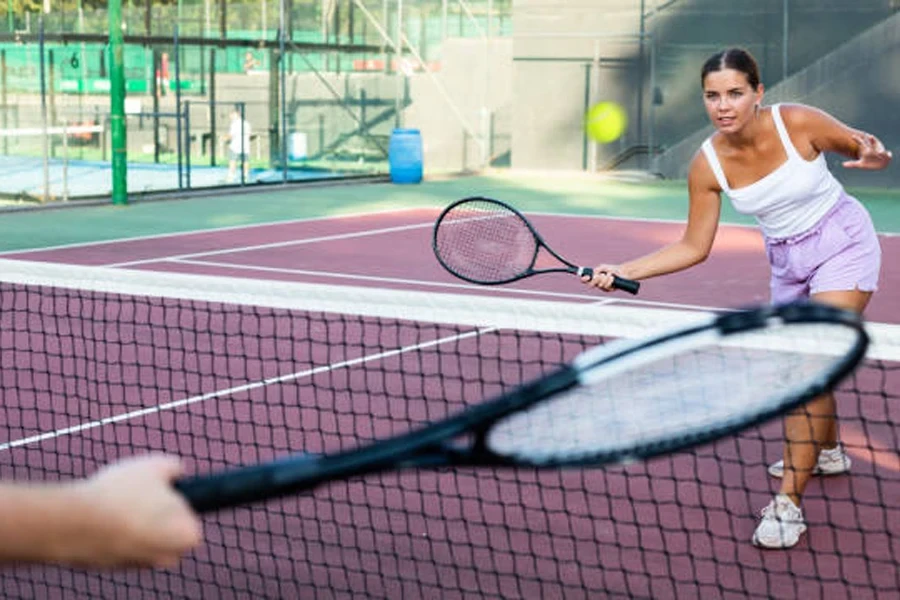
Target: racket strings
[485, 243]
[682, 394]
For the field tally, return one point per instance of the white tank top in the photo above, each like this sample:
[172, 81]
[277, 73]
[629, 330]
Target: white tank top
[790, 199]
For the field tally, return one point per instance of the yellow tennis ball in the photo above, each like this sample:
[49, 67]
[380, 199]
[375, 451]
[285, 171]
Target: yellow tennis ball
[605, 122]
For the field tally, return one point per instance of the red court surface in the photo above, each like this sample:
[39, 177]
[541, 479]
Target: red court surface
[393, 250]
[676, 527]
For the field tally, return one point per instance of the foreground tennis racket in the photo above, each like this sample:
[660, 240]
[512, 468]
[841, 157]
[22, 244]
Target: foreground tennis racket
[615, 403]
[488, 242]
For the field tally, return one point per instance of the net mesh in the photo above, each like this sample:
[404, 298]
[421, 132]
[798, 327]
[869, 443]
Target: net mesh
[99, 364]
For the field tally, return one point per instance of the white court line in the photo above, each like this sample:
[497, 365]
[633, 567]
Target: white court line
[158, 236]
[308, 373]
[437, 209]
[328, 238]
[300, 242]
[233, 390]
[620, 218]
[495, 290]
[247, 226]
[751, 226]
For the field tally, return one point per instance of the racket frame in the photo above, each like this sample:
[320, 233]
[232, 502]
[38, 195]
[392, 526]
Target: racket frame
[436, 445]
[620, 283]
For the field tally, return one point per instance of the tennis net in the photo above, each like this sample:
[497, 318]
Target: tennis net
[103, 363]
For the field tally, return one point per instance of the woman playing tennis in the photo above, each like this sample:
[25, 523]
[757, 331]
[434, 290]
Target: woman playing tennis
[820, 242]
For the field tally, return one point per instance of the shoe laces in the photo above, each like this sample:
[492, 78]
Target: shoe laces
[780, 509]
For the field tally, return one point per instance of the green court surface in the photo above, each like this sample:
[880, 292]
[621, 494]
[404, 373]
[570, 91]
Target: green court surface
[566, 193]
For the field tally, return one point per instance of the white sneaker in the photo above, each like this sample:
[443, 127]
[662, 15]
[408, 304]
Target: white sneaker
[832, 461]
[781, 525]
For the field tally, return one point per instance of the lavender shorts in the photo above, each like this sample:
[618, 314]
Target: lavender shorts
[840, 252]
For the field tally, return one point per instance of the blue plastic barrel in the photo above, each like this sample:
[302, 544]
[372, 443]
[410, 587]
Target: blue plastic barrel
[405, 156]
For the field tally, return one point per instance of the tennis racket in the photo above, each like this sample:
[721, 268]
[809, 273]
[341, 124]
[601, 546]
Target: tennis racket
[489, 242]
[615, 403]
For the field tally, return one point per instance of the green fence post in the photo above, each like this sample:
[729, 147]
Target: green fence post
[117, 104]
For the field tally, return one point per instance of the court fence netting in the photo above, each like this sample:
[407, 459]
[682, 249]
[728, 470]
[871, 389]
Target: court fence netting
[103, 363]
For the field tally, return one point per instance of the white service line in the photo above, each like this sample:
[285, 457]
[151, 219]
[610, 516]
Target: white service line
[158, 236]
[300, 242]
[232, 390]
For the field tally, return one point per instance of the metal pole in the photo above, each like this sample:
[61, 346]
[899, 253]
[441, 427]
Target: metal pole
[245, 149]
[51, 93]
[82, 85]
[45, 139]
[640, 91]
[586, 145]
[176, 50]
[117, 104]
[213, 134]
[591, 97]
[651, 121]
[785, 38]
[155, 83]
[65, 162]
[386, 15]
[485, 111]
[282, 73]
[4, 98]
[398, 46]
[187, 143]
[326, 10]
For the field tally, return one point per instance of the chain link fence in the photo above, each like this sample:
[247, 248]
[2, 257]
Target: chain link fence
[321, 84]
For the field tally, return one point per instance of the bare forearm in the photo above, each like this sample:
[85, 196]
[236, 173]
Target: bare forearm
[669, 259]
[126, 514]
[40, 522]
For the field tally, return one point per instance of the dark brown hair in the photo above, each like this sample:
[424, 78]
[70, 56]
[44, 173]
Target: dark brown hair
[733, 58]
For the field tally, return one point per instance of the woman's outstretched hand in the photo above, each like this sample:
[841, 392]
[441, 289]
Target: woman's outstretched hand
[872, 154]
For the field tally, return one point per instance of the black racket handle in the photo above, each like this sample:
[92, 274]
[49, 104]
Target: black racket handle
[620, 283]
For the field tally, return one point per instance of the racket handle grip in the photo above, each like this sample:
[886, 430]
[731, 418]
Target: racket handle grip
[620, 283]
[253, 483]
[626, 285]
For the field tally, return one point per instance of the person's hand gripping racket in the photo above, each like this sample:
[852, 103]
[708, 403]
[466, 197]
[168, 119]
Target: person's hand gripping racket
[488, 242]
[604, 277]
